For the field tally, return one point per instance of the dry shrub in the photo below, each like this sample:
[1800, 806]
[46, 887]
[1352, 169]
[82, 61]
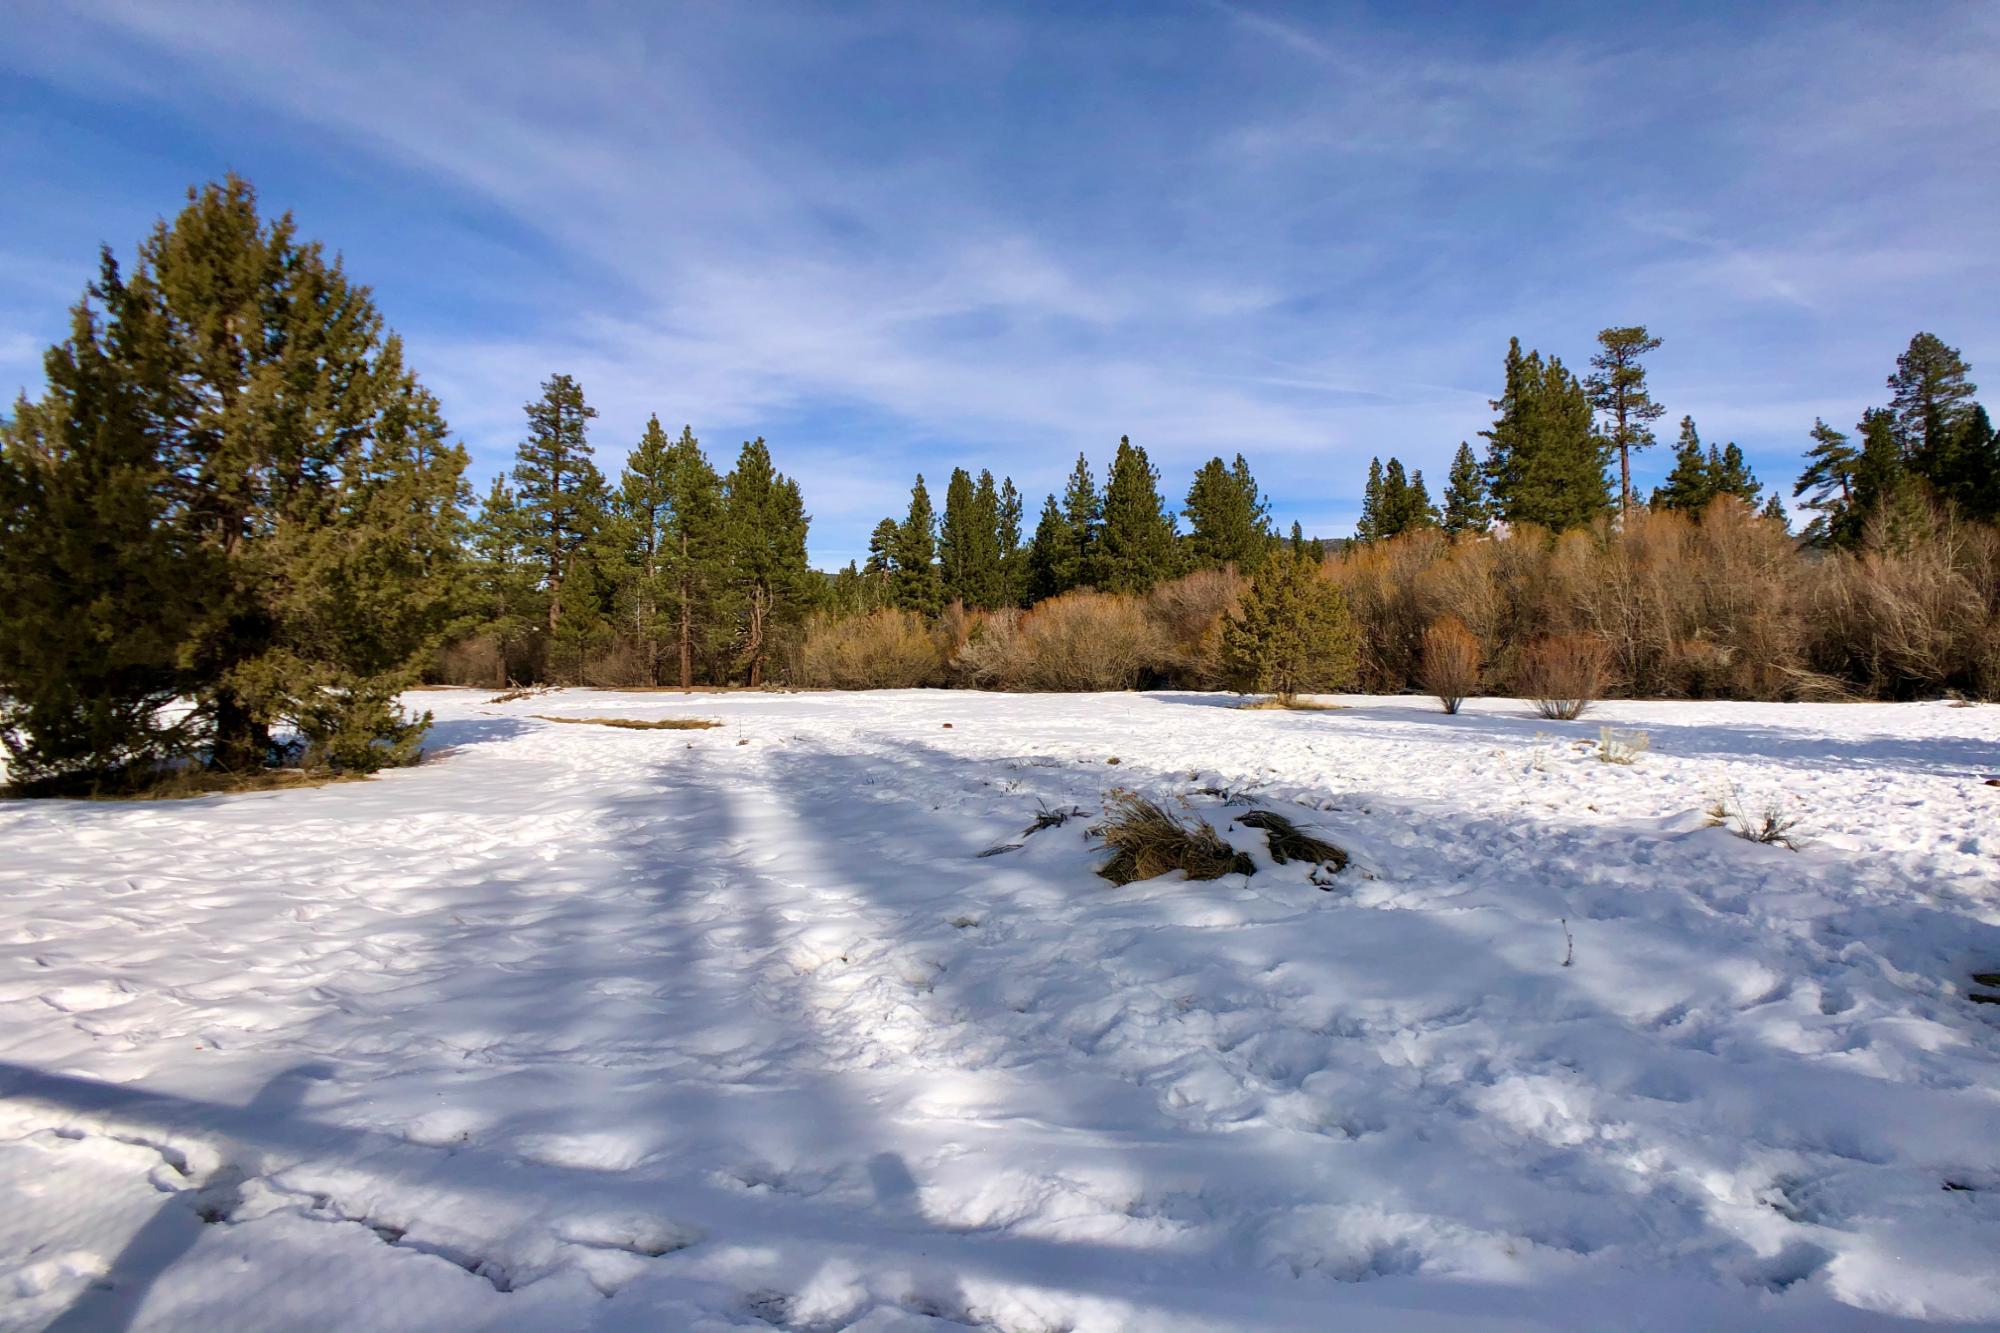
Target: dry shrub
[1188, 613]
[1449, 664]
[1380, 581]
[1078, 641]
[990, 656]
[1913, 617]
[1146, 840]
[634, 723]
[883, 650]
[479, 660]
[1563, 674]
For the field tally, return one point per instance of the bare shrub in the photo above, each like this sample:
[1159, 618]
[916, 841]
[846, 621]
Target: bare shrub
[1188, 612]
[991, 655]
[1085, 641]
[1563, 674]
[1909, 617]
[1146, 840]
[883, 650]
[1449, 663]
[479, 660]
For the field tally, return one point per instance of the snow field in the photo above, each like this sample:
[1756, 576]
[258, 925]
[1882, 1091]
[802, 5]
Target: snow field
[580, 1027]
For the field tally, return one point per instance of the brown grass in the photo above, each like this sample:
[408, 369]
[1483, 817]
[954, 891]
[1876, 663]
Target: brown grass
[636, 723]
[1297, 703]
[1288, 842]
[1146, 840]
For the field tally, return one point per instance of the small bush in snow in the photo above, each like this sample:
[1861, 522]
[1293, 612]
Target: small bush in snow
[1767, 822]
[1449, 665]
[1615, 746]
[1146, 840]
[1562, 675]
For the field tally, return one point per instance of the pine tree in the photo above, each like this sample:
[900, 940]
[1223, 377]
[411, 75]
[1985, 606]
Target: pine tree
[1827, 485]
[1931, 397]
[1774, 509]
[1083, 515]
[643, 504]
[1228, 519]
[1544, 463]
[1618, 390]
[559, 491]
[1050, 563]
[1978, 453]
[232, 460]
[1292, 633]
[1138, 545]
[1885, 492]
[957, 559]
[1465, 507]
[1013, 565]
[1368, 527]
[766, 522]
[1690, 485]
[1730, 474]
[693, 559]
[506, 601]
[986, 578]
[1403, 504]
[1298, 538]
[918, 587]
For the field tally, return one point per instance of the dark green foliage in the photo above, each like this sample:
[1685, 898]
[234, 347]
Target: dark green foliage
[1465, 507]
[1050, 562]
[1368, 527]
[1291, 634]
[1013, 559]
[1931, 400]
[1618, 391]
[768, 582]
[971, 565]
[559, 493]
[1083, 516]
[1885, 492]
[1699, 476]
[232, 492]
[1827, 486]
[1544, 464]
[676, 551]
[1393, 503]
[913, 556]
[1136, 548]
[1228, 517]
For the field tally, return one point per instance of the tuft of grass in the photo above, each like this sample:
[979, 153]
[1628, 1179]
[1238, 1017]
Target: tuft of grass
[1770, 823]
[636, 723]
[1619, 746]
[1288, 842]
[1146, 840]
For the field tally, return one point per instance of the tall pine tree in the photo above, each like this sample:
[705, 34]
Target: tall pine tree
[1544, 463]
[1138, 545]
[1618, 391]
[559, 493]
[769, 578]
[1228, 519]
[918, 587]
[1465, 507]
[1827, 486]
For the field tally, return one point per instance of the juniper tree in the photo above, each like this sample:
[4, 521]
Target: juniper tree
[918, 587]
[1137, 546]
[232, 460]
[1618, 390]
[1292, 633]
[1544, 463]
[1229, 522]
[1465, 507]
[769, 578]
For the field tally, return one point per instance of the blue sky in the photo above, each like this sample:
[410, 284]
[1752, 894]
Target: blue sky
[908, 237]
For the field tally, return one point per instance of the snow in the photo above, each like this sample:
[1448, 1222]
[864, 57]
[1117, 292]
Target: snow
[586, 1028]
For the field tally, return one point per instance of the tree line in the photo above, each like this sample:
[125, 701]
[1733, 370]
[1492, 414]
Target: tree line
[234, 528]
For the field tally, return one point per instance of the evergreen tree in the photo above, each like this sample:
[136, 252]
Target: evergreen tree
[1013, 571]
[643, 504]
[1774, 509]
[1827, 485]
[1137, 548]
[1931, 398]
[1403, 503]
[1228, 519]
[233, 489]
[691, 564]
[1884, 489]
[1618, 391]
[958, 559]
[1292, 634]
[1050, 565]
[1730, 474]
[1544, 464]
[1978, 452]
[766, 522]
[1465, 507]
[506, 601]
[559, 493]
[882, 549]
[1298, 538]
[986, 579]
[1690, 485]
[918, 587]
[1368, 527]
[1083, 515]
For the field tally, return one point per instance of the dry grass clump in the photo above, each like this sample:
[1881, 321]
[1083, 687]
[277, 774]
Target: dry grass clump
[1146, 840]
[1562, 675]
[1288, 842]
[1769, 823]
[1297, 703]
[883, 650]
[636, 723]
[1448, 664]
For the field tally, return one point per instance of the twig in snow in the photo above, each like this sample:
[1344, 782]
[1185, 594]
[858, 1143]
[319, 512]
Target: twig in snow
[1569, 942]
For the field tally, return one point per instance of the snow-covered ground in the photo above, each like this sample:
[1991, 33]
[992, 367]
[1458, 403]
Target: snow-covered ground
[583, 1028]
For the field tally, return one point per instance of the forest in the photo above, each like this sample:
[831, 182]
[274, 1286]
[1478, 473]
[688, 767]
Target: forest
[235, 531]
